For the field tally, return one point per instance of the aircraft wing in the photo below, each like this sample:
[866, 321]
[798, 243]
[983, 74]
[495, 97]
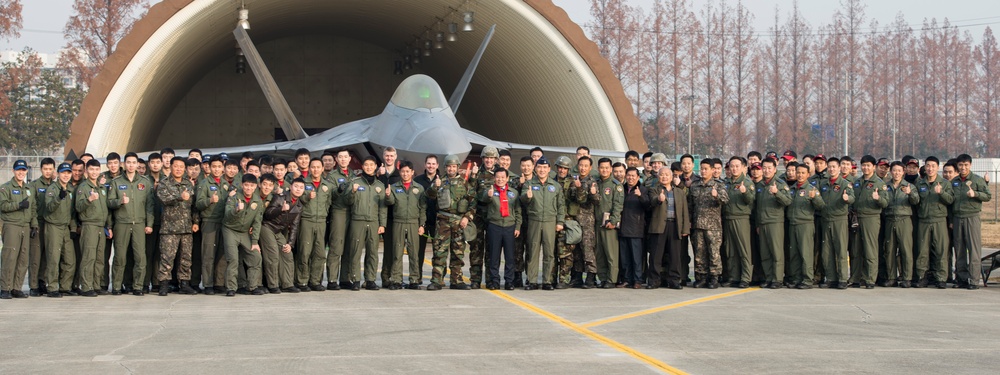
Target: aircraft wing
[343, 136]
[481, 141]
[266, 148]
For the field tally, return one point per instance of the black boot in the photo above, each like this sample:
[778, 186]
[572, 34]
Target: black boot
[713, 282]
[576, 279]
[184, 287]
[591, 281]
[699, 281]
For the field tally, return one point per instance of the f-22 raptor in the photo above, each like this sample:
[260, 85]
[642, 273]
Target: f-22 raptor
[418, 120]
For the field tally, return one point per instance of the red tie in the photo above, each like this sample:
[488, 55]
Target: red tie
[504, 210]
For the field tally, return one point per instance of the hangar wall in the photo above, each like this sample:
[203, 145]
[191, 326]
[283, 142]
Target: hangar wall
[542, 81]
[327, 81]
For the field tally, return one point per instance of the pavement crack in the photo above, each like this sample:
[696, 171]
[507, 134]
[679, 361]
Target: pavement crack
[162, 325]
[866, 317]
[126, 368]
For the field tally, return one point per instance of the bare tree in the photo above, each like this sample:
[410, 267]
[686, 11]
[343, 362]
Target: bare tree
[773, 54]
[743, 44]
[797, 53]
[10, 26]
[93, 32]
[656, 52]
[988, 60]
[10, 18]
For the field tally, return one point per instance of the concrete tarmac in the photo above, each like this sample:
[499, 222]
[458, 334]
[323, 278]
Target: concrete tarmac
[697, 331]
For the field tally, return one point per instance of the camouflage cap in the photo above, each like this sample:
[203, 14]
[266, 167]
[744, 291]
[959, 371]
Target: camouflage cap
[563, 161]
[452, 160]
[469, 232]
[658, 157]
[573, 232]
[490, 152]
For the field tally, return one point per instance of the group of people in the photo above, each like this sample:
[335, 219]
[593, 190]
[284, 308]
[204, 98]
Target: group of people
[256, 225]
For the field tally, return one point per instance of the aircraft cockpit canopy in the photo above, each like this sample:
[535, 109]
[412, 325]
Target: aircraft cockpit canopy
[419, 92]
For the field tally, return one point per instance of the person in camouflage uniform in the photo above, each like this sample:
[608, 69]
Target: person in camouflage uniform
[155, 174]
[564, 251]
[585, 190]
[484, 178]
[707, 196]
[179, 222]
[457, 209]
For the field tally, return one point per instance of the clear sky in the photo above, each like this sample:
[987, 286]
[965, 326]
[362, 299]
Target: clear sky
[45, 19]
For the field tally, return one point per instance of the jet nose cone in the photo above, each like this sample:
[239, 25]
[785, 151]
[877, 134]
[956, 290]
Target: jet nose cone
[442, 142]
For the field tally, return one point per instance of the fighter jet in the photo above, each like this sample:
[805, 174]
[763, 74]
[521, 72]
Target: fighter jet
[417, 121]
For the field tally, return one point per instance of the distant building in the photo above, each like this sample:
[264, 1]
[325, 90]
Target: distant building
[49, 62]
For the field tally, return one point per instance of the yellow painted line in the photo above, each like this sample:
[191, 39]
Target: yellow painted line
[667, 307]
[587, 332]
[591, 334]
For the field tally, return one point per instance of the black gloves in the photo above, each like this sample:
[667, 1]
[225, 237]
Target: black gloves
[34, 232]
[63, 193]
[24, 204]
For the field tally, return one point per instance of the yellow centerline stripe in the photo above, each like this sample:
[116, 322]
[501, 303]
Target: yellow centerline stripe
[667, 307]
[591, 334]
[588, 333]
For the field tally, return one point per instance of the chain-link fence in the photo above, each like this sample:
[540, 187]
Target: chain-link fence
[990, 169]
[7, 159]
